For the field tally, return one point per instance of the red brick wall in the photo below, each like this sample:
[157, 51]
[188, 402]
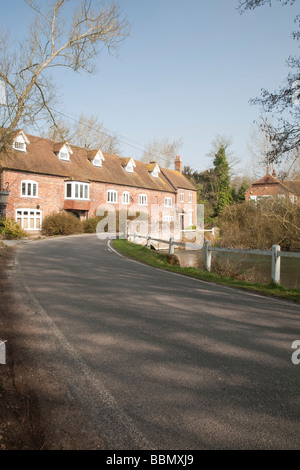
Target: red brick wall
[51, 193]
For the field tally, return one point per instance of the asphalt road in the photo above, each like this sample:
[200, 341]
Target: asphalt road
[157, 360]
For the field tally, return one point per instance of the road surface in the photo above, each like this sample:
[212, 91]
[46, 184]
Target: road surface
[156, 360]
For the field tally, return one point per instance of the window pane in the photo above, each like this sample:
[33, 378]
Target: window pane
[81, 191]
[31, 222]
[25, 222]
[23, 189]
[76, 191]
[69, 190]
[86, 191]
[38, 223]
[28, 189]
[34, 190]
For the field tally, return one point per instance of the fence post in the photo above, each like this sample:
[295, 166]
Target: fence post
[275, 264]
[149, 242]
[171, 246]
[207, 255]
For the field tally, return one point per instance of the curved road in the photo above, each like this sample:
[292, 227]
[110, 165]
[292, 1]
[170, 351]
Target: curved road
[157, 360]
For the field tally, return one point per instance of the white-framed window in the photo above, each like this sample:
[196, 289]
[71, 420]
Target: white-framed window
[20, 146]
[112, 196]
[143, 199]
[125, 197]
[29, 189]
[182, 195]
[168, 202]
[168, 218]
[77, 190]
[20, 142]
[156, 171]
[190, 197]
[64, 156]
[130, 166]
[65, 152]
[29, 219]
[98, 159]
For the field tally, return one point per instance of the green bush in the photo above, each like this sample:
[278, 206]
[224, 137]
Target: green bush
[11, 230]
[62, 223]
[90, 225]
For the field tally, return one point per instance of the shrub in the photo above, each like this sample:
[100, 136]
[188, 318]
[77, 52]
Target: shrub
[90, 225]
[270, 222]
[62, 223]
[235, 270]
[11, 230]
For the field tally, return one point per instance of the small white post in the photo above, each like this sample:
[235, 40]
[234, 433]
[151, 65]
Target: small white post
[2, 352]
[149, 242]
[275, 264]
[171, 246]
[207, 255]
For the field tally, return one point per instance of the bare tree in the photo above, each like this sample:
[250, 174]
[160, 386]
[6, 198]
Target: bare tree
[87, 133]
[259, 147]
[284, 104]
[162, 151]
[56, 39]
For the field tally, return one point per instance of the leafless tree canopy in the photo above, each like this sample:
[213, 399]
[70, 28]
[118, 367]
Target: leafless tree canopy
[251, 4]
[58, 37]
[162, 151]
[283, 104]
[87, 133]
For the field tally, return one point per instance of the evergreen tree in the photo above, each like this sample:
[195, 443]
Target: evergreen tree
[221, 169]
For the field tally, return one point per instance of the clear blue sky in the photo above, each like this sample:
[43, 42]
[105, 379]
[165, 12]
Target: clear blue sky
[188, 70]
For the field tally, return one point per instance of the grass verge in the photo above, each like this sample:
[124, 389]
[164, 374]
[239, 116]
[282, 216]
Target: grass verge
[159, 260]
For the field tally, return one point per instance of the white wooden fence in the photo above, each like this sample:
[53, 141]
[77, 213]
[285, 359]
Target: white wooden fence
[276, 253]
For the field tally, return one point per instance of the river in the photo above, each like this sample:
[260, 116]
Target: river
[259, 265]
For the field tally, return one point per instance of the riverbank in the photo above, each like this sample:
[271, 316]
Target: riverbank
[159, 260]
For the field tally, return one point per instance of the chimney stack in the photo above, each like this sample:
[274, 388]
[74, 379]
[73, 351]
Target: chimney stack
[274, 173]
[178, 164]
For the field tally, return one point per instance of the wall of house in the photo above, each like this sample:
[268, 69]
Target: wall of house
[98, 197]
[51, 198]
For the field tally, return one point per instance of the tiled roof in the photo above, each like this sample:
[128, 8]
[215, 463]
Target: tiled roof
[178, 180]
[40, 157]
[270, 186]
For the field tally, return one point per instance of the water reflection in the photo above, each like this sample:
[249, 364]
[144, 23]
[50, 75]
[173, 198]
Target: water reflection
[290, 268]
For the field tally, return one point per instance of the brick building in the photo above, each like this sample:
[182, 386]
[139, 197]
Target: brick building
[44, 176]
[270, 186]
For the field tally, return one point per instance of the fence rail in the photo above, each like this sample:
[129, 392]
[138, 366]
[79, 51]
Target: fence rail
[276, 253]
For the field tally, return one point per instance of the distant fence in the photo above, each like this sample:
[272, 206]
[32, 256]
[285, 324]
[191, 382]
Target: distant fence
[276, 253]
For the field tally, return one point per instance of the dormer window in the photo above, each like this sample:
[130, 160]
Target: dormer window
[98, 159]
[155, 172]
[130, 166]
[63, 151]
[20, 142]
[20, 146]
